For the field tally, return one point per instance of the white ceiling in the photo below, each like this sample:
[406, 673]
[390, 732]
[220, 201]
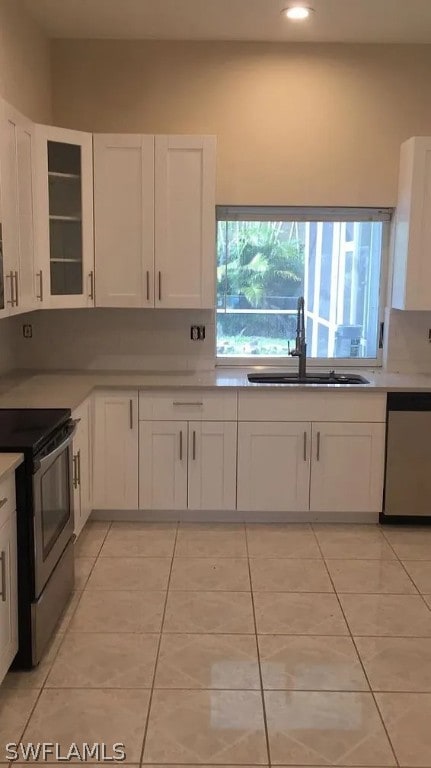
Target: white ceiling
[363, 21]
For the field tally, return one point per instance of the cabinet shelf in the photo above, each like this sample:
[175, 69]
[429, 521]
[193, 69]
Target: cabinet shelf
[64, 218]
[58, 175]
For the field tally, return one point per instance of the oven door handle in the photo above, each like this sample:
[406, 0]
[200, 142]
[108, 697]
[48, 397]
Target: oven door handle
[60, 448]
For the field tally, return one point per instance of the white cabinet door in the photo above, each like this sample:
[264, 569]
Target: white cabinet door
[212, 465]
[411, 287]
[82, 464]
[29, 296]
[64, 216]
[184, 221]
[347, 467]
[163, 465]
[8, 595]
[124, 220]
[116, 450]
[18, 197]
[9, 208]
[273, 466]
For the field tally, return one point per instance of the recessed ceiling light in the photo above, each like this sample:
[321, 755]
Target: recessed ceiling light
[297, 12]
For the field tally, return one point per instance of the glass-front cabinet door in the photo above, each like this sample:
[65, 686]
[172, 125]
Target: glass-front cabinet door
[65, 236]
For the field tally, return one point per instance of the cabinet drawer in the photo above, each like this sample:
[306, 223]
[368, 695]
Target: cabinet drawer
[313, 406]
[7, 497]
[194, 405]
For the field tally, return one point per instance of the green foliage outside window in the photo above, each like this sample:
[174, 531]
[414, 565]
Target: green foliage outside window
[260, 264]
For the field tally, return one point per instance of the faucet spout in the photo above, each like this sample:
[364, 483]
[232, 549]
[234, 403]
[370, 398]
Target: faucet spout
[300, 350]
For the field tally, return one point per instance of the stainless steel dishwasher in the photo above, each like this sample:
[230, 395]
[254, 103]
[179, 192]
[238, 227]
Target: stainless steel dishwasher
[407, 496]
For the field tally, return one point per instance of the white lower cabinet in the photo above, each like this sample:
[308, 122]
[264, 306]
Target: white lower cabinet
[8, 587]
[116, 450]
[187, 465]
[347, 467]
[212, 465]
[163, 465]
[304, 466]
[274, 466]
[82, 465]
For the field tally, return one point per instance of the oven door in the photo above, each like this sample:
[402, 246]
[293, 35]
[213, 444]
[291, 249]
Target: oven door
[52, 509]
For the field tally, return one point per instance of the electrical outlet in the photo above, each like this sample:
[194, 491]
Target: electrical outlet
[197, 332]
[27, 331]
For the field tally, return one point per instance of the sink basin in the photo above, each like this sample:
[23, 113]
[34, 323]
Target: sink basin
[310, 378]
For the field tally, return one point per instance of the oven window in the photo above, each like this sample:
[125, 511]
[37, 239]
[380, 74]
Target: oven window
[55, 497]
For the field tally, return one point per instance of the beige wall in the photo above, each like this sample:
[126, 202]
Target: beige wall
[25, 78]
[296, 124]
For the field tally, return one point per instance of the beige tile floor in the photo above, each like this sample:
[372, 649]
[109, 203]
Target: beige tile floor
[254, 645]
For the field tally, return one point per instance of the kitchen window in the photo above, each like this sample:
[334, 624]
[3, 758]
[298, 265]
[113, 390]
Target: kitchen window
[268, 257]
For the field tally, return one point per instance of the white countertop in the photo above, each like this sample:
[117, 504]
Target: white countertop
[69, 389]
[9, 462]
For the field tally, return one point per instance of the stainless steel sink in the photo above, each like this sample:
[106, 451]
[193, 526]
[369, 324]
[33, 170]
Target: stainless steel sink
[309, 378]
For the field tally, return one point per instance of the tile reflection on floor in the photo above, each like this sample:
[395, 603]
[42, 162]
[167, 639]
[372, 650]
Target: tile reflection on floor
[224, 645]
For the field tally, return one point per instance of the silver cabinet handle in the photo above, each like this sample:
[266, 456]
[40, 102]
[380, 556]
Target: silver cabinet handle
[40, 276]
[148, 285]
[305, 446]
[181, 444]
[194, 446]
[11, 301]
[318, 447]
[79, 467]
[75, 471]
[131, 413]
[16, 288]
[160, 286]
[3, 502]
[3, 576]
[182, 402]
[91, 294]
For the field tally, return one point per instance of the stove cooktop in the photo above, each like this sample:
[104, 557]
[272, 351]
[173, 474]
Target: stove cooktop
[27, 429]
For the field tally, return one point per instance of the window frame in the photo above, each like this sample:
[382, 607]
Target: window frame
[305, 213]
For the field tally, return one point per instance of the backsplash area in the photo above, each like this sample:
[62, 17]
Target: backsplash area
[7, 345]
[138, 339]
[407, 346]
[114, 339]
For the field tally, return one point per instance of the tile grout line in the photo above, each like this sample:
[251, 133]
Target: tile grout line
[259, 664]
[156, 661]
[405, 569]
[357, 653]
[27, 722]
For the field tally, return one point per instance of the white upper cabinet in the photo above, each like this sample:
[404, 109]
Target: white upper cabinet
[154, 201]
[124, 220]
[64, 196]
[18, 222]
[411, 287]
[185, 221]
